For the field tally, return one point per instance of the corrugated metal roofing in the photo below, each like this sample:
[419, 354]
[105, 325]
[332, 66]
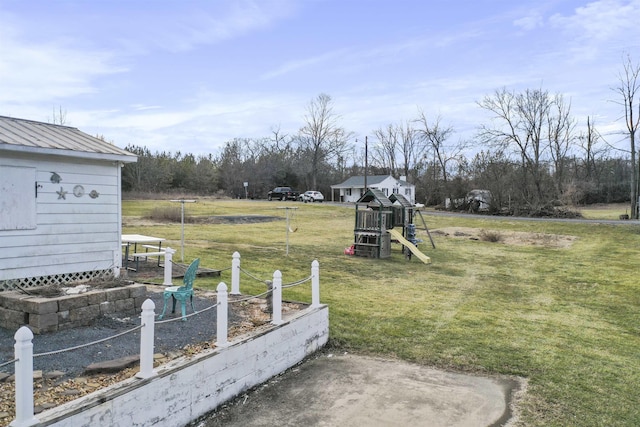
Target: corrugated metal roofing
[28, 134]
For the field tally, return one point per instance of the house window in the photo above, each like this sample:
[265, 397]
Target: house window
[347, 191]
[395, 190]
[386, 191]
[17, 198]
[407, 192]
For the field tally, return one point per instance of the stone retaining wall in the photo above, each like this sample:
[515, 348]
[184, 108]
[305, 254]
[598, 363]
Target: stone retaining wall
[44, 314]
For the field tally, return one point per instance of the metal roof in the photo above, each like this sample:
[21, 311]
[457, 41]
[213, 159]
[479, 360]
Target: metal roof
[37, 137]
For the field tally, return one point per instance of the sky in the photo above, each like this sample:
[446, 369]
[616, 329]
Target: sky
[187, 76]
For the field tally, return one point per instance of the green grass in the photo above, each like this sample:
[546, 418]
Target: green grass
[567, 319]
[611, 211]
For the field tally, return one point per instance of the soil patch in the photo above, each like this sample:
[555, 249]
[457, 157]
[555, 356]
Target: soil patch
[518, 238]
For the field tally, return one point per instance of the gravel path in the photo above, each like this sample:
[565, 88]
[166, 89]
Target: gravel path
[169, 337]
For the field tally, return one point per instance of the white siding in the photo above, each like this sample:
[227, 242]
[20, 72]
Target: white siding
[73, 233]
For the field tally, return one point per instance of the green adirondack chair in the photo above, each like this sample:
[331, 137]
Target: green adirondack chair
[181, 293]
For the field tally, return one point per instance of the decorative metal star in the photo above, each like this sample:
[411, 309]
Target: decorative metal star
[62, 194]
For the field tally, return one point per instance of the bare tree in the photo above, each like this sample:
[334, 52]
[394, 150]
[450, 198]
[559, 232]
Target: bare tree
[560, 130]
[321, 136]
[493, 171]
[588, 140]
[410, 146]
[434, 135]
[399, 148]
[281, 142]
[59, 117]
[383, 154]
[535, 126]
[629, 91]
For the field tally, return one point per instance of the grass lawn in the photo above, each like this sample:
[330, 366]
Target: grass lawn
[565, 318]
[610, 211]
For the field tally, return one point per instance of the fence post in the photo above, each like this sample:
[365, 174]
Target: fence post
[221, 319]
[24, 379]
[235, 274]
[147, 340]
[315, 284]
[276, 318]
[168, 263]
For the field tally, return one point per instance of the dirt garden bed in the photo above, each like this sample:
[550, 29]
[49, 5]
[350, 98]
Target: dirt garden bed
[518, 238]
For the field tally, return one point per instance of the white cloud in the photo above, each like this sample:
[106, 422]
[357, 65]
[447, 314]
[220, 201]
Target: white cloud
[295, 65]
[530, 22]
[48, 71]
[601, 24]
[215, 23]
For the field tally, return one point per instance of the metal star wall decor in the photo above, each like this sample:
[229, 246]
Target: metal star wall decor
[62, 194]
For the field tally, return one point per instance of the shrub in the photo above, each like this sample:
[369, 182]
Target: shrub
[168, 214]
[490, 236]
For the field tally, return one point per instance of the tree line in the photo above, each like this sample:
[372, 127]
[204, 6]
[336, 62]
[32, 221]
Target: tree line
[534, 154]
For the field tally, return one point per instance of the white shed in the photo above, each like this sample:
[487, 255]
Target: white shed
[60, 204]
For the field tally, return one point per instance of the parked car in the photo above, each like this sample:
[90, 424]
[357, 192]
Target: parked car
[282, 193]
[311, 196]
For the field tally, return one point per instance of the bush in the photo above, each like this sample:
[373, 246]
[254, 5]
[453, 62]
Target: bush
[490, 236]
[168, 214]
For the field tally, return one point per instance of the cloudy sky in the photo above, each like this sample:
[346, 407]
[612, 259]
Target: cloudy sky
[189, 75]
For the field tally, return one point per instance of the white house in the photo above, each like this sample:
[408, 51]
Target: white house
[60, 204]
[353, 188]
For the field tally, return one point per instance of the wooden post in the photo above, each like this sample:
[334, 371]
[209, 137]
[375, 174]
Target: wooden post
[276, 318]
[221, 319]
[315, 284]
[235, 274]
[147, 340]
[24, 379]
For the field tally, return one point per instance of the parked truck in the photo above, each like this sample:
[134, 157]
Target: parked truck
[282, 193]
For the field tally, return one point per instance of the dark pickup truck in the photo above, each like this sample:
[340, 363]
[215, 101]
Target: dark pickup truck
[282, 193]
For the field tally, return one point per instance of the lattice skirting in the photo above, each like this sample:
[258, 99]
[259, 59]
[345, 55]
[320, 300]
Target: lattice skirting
[58, 279]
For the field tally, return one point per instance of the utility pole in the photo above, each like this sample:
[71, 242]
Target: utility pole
[366, 162]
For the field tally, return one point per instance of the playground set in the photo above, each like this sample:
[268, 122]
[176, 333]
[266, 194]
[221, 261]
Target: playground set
[378, 219]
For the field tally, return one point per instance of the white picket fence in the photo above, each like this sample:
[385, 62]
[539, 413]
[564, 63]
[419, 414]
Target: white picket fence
[24, 355]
